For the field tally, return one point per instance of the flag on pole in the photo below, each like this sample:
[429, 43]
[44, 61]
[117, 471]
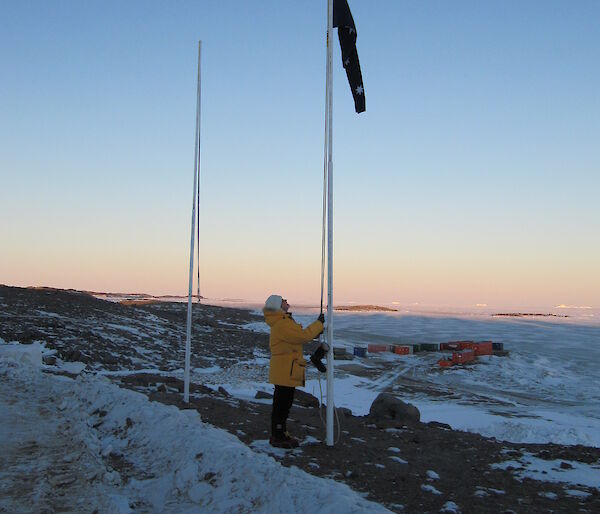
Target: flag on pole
[342, 19]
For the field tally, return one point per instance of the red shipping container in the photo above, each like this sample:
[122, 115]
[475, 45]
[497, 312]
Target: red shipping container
[463, 356]
[445, 363]
[483, 348]
[401, 350]
[378, 348]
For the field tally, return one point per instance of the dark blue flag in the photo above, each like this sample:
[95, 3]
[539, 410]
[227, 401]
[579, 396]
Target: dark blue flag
[342, 19]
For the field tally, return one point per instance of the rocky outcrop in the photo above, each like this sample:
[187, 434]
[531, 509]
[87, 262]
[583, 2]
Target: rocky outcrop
[388, 411]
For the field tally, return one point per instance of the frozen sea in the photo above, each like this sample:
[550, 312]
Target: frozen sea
[546, 390]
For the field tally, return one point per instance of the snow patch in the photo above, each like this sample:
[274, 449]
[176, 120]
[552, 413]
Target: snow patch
[173, 462]
[430, 489]
[577, 473]
[30, 354]
[432, 475]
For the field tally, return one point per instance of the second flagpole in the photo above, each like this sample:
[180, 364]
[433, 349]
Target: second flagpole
[188, 338]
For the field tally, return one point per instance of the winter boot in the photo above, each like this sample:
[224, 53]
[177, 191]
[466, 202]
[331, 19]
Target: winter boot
[316, 357]
[282, 439]
[292, 440]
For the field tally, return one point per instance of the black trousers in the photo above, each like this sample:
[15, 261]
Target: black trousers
[283, 397]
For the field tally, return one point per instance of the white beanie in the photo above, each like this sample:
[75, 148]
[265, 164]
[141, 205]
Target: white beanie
[273, 303]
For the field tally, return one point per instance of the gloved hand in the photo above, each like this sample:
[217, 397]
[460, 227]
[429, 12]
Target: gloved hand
[316, 357]
[321, 318]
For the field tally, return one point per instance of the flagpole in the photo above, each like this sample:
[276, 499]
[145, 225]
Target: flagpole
[328, 124]
[188, 339]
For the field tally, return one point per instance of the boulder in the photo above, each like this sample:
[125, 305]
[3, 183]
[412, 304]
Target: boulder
[389, 411]
[305, 399]
[437, 424]
[300, 398]
[343, 411]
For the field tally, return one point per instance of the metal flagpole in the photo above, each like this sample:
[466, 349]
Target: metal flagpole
[188, 339]
[329, 88]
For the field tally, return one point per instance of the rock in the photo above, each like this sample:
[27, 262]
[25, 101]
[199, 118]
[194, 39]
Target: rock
[387, 410]
[210, 477]
[50, 360]
[438, 424]
[91, 475]
[73, 356]
[305, 399]
[61, 480]
[110, 359]
[343, 411]
[199, 388]
[224, 392]
[112, 478]
[565, 465]
[263, 395]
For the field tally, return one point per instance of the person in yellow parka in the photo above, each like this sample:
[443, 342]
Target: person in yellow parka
[286, 369]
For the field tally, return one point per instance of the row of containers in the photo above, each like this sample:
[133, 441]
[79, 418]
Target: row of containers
[462, 351]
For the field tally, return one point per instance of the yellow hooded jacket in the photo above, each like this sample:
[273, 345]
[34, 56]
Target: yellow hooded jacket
[286, 340]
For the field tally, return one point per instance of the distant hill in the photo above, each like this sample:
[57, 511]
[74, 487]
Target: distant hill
[363, 308]
[523, 314]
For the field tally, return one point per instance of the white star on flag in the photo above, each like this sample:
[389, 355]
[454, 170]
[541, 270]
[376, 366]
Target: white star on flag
[359, 90]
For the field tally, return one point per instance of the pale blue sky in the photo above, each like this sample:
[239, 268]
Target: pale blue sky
[471, 178]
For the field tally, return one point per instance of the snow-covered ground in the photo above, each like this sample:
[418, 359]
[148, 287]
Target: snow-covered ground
[83, 444]
[86, 444]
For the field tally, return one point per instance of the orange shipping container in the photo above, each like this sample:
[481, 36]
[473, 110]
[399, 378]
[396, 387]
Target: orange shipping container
[378, 348]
